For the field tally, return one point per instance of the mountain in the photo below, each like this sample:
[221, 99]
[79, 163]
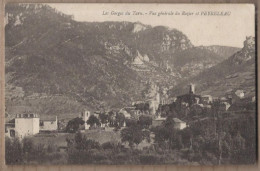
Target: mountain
[56, 65]
[192, 61]
[235, 73]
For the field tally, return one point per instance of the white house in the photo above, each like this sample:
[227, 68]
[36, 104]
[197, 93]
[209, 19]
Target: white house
[179, 124]
[26, 125]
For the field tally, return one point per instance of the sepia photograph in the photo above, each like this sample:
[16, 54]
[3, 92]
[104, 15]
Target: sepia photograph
[130, 84]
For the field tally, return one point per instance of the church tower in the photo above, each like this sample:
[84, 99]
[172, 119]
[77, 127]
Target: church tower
[192, 88]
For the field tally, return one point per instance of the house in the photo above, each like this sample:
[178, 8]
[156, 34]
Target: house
[206, 99]
[49, 125]
[138, 60]
[189, 98]
[223, 99]
[158, 121]
[127, 111]
[26, 125]
[235, 96]
[10, 128]
[240, 93]
[179, 124]
[226, 105]
[223, 106]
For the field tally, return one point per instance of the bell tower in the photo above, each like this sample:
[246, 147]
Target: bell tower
[192, 88]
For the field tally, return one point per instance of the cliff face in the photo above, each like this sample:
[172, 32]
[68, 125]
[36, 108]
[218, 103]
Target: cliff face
[247, 53]
[90, 65]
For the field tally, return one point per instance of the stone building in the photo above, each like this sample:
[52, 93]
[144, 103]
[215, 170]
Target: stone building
[206, 99]
[178, 124]
[49, 125]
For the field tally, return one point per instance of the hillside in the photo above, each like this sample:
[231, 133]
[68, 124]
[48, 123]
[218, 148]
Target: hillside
[192, 61]
[93, 65]
[236, 72]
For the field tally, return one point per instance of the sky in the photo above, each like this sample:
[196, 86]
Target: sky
[230, 29]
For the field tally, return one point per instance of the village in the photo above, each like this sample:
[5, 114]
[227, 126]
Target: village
[31, 125]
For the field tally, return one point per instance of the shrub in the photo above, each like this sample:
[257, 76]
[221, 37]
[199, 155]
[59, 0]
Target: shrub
[13, 151]
[149, 159]
[109, 145]
[28, 145]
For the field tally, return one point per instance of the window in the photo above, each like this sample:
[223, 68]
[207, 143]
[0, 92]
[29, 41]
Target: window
[12, 133]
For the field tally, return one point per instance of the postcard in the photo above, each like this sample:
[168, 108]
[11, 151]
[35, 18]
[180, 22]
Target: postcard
[130, 84]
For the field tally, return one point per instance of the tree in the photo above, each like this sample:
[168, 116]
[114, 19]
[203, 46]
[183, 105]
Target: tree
[73, 125]
[166, 134]
[78, 139]
[131, 122]
[120, 119]
[145, 121]
[81, 143]
[142, 107]
[132, 135]
[103, 118]
[146, 135]
[111, 118]
[93, 120]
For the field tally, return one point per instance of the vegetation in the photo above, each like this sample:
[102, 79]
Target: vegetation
[74, 124]
[145, 121]
[104, 118]
[120, 120]
[214, 140]
[27, 152]
[84, 151]
[93, 120]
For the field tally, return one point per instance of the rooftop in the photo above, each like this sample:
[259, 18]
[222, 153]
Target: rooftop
[160, 119]
[26, 115]
[177, 120]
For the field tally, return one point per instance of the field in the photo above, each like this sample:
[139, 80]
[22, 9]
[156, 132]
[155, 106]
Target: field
[59, 139]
